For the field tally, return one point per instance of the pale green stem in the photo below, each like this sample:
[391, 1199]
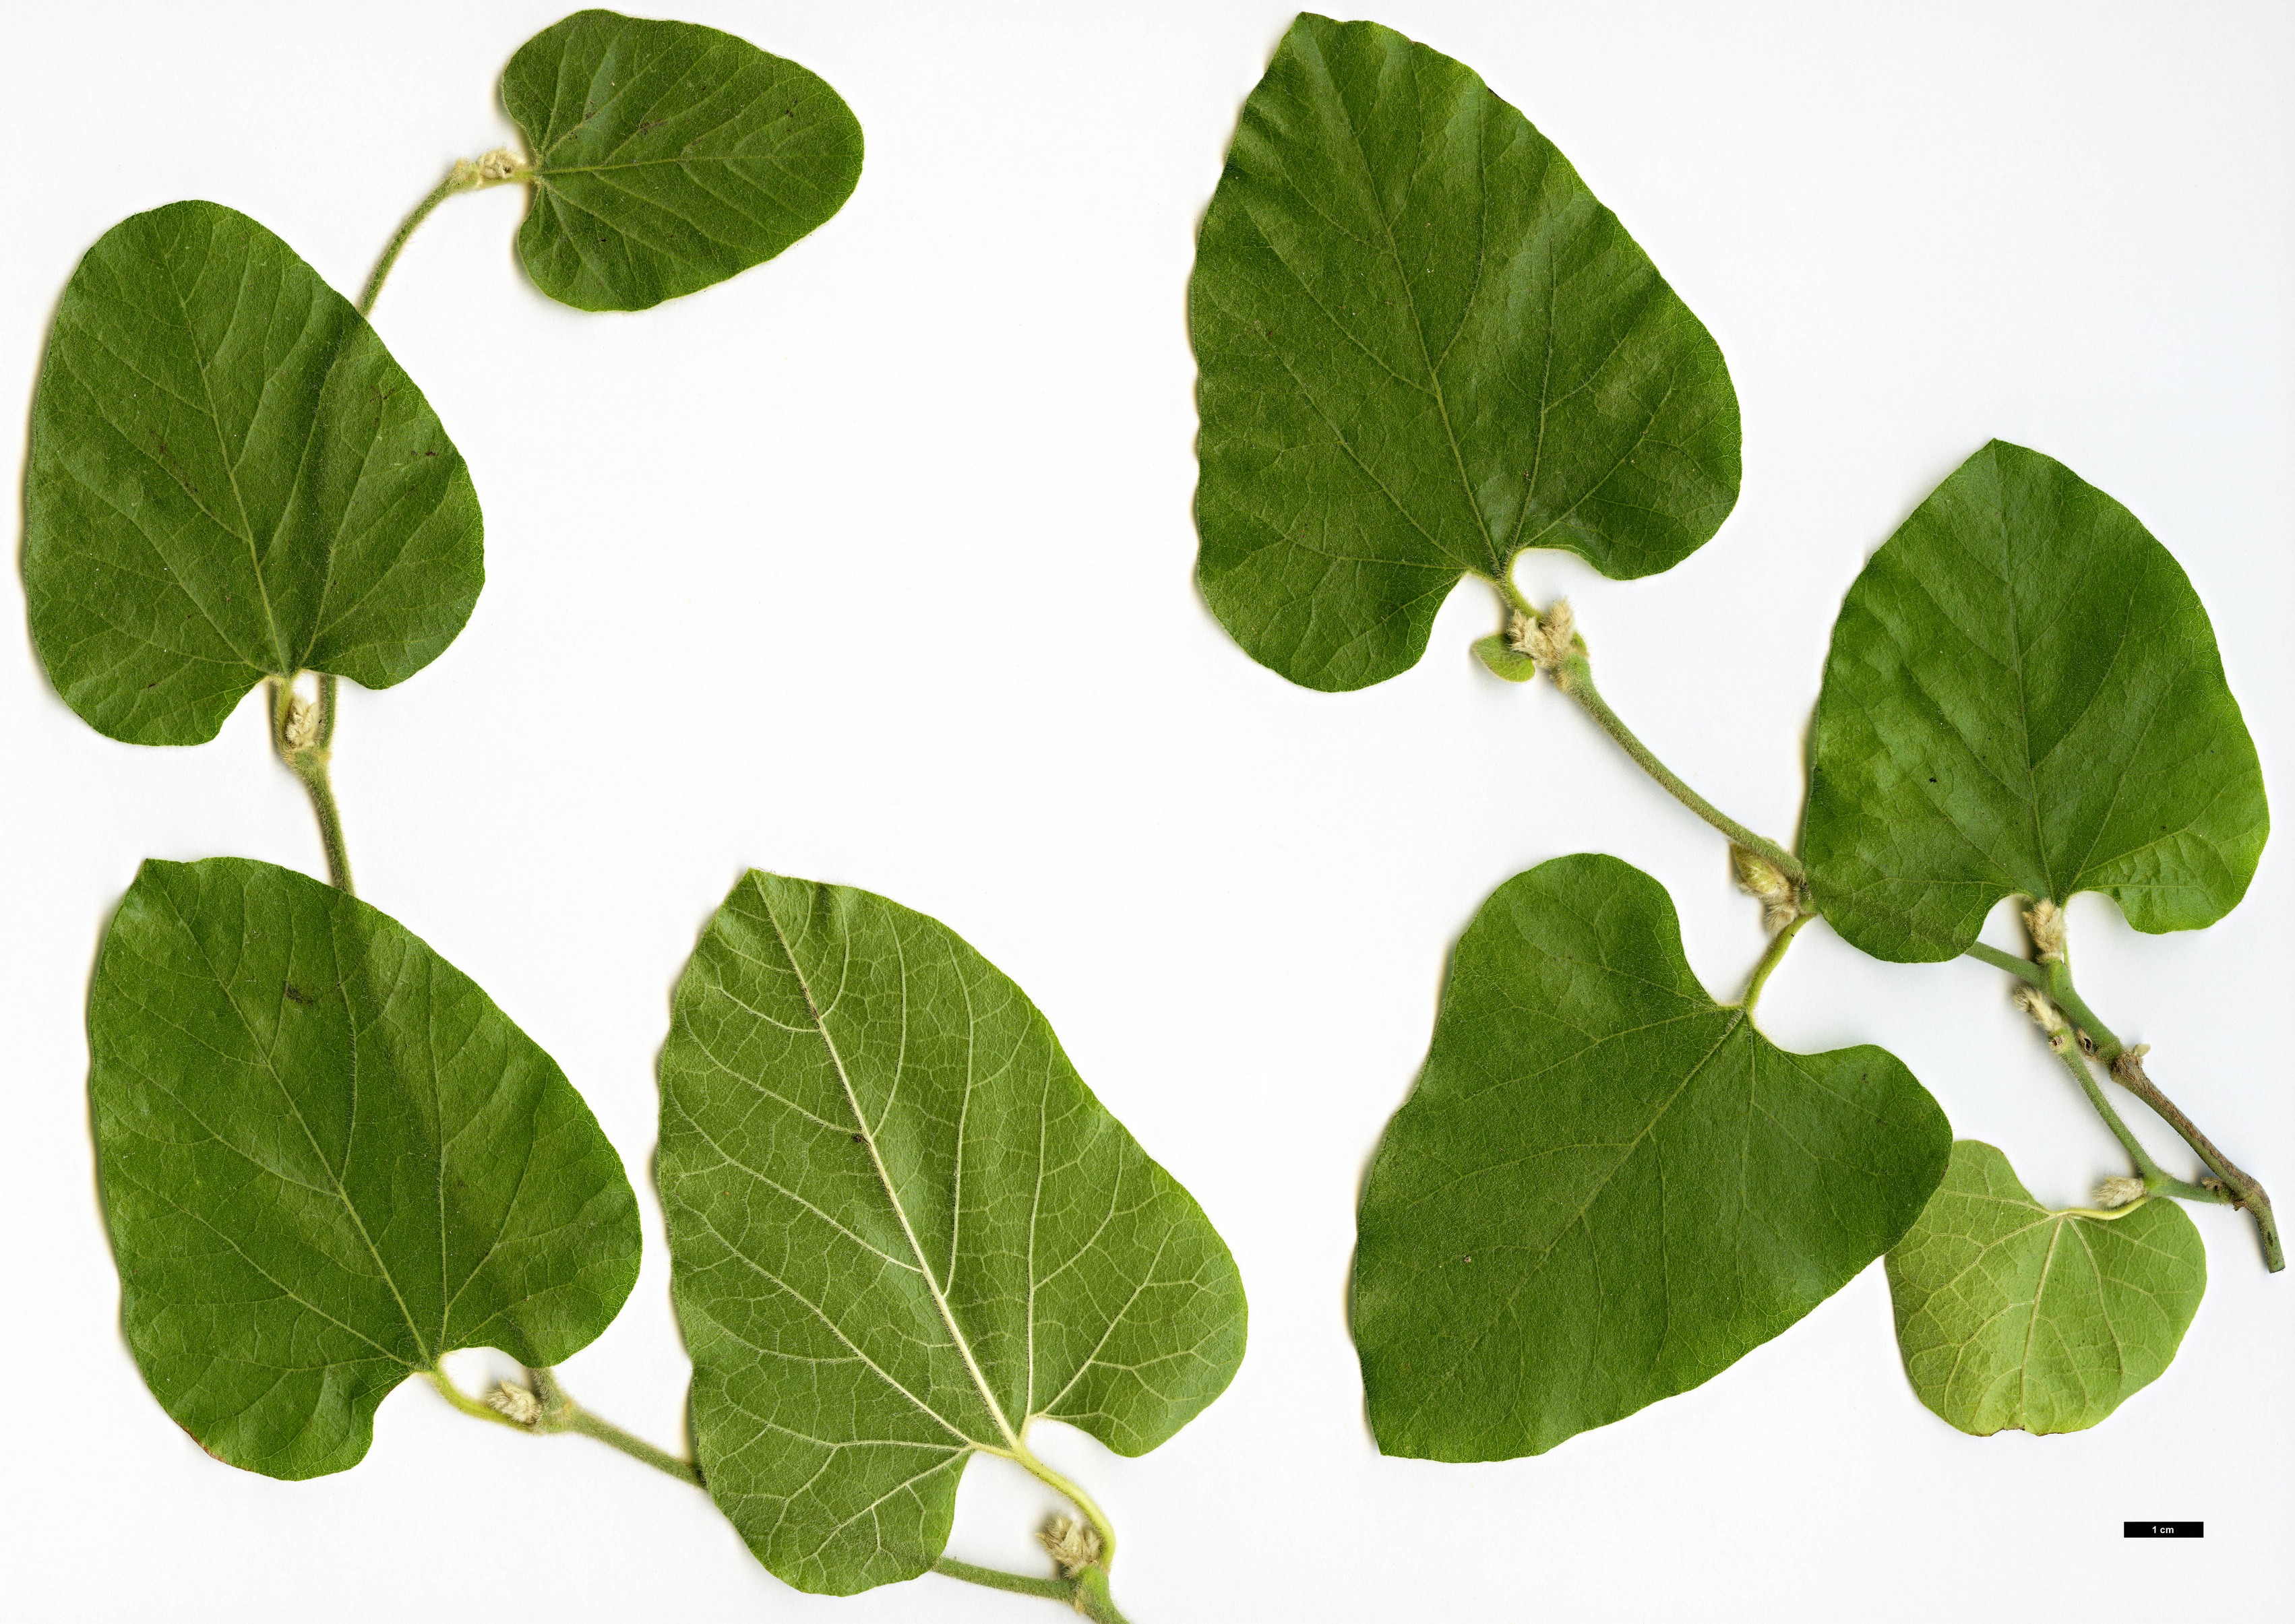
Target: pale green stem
[2056, 980]
[2126, 1067]
[2101, 1041]
[476, 1408]
[2105, 1214]
[2243, 1191]
[2023, 969]
[1575, 678]
[2149, 1171]
[561, 1413]
[1087, 1593]
[309, 764]
[1082, 1502]
[464, 177]
[1769, 962]
[996, 1579]
[1092, 1598]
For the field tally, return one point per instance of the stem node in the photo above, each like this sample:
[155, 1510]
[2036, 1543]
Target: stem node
[303, 735]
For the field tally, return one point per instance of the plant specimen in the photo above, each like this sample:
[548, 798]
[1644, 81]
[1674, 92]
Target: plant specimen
[1424, 348]
[902, 1229]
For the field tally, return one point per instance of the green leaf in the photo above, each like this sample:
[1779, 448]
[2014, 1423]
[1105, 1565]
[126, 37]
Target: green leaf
[668, 157]
[1503, 659]
[2012, 1316]
[231, 479]
[327, 1159]
[2024, 698]
[901, 1229]
[1607, 1187]
[1424, 346]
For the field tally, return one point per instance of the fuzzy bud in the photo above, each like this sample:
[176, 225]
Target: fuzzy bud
[2114, 1193]
[2036, 1003]
[300, 728]
[1547, 639]
[517, 1403]
[1072, 1544]
[1552, 639]
[1758, 877]
[2046, 921]
[500, 165]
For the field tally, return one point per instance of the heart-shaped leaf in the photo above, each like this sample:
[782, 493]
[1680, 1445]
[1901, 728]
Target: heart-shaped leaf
[902, 1229]
[668, 157]
[231, 479]
[327, 1159]
[2012, 1316]
[1607, 1187]
[2024, 698]
[1424, 346]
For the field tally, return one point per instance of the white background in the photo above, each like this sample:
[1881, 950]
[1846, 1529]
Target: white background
[874, 565]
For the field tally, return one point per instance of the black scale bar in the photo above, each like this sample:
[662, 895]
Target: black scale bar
[2163, 1530]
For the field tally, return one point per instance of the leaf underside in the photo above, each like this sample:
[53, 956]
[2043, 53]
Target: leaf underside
[1606, 1188]
[1424, 346]
[669, 157]
[2010, 1316]
[230, 479]
[327, 1158]
[2023, 697]
[901, 1228]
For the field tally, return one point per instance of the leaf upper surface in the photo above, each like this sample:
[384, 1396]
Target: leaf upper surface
[1424, 346]
[2023, 697]
[231, 479]
[1607, 1187]
[901, 1229]
[2010, 1316]
[669, 156]
[327, 1159]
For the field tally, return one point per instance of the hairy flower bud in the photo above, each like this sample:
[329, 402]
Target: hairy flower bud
[1072, 1544]
[1549, 638]
[517, 1403]
[301, 729]
[1758, 877]
[2118, 1192]
[2036, 1004]
[2046, 921]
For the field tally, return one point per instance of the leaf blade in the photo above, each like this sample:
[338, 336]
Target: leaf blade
[1423, 347]
[231, 478]
[309, 1199]
[668, 157]
[1607, 1187]
[901, 1229]
[2011, 1317]
[2023, 695]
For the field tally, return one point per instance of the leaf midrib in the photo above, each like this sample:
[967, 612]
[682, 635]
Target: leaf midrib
[1418, 325]
[230, 466]
[2023, 700]
[1545, 1255]
[884, 1176]
[295, 1106]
